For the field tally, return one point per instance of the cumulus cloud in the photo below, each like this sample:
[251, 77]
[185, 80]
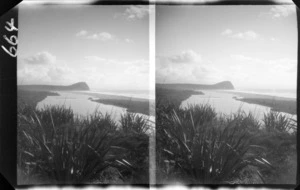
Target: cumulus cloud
[81, 33]
[188, 56]
[226, 32]
[134, 12]
[40, 58]
[281, 11]
[129, 40]
[94, 58]
[188, 67]
[248, 35]
[43, 68]
[243, 58]
[102, 36]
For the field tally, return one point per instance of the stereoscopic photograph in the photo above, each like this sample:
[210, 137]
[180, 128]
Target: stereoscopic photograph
[83, 94]
[189, 93]
[226, 80]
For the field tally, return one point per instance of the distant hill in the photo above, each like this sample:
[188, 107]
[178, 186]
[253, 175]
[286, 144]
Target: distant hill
[226, 85]
[74, 87]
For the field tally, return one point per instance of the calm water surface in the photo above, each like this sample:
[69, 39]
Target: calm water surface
[225, 104]
[81, 105]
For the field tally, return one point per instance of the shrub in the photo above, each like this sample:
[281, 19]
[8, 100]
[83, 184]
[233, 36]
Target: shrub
[205, 149]
[61, 149]
[276, 122]
[54, 146]
[133, 123]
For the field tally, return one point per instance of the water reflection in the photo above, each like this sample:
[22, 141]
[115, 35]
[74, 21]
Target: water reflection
[224, 103]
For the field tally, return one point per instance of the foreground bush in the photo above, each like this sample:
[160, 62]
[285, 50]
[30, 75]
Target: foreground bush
[57, 147]
[196, 146]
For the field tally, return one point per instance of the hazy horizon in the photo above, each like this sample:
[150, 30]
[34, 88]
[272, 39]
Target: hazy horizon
[251, 46]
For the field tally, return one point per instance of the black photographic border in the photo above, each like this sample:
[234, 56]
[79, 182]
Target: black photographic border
[8, 94]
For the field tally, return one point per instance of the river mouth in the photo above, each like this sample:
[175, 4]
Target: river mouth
[226, 103]
[82, 105]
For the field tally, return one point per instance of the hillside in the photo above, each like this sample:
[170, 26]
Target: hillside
[173, 96]
[32, 98]
[226, 85]
[74, 87]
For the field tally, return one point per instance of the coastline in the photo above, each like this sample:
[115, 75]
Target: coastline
[32, 98]
[173, 96]
[132, 104]
[280, 104]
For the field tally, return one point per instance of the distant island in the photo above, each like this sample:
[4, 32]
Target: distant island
[80, 86]
[225, 85]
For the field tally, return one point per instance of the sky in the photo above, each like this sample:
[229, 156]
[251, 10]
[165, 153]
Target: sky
[105, 46]
[251, 46]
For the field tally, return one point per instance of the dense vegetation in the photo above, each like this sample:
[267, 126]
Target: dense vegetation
[133, 106]
[166, 96]
[32, 98]
[196, 146]
[57, 147]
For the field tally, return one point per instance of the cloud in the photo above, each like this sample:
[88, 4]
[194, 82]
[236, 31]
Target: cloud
[40, 58]
[131, 67]
[129, 40]
[43, 68]
[103, 36]
[226, 32]
[59, 73]
[243, 58]
[81, 33]
[188, 56]
[135, 12]
[94, 58]
[137, 67]
[284, 64]
[280, 11]
[248, 35]
[187, 67]
[117, 74]
[267, 73]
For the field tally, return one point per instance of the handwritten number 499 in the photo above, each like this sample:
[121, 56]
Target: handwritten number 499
[12, 40]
